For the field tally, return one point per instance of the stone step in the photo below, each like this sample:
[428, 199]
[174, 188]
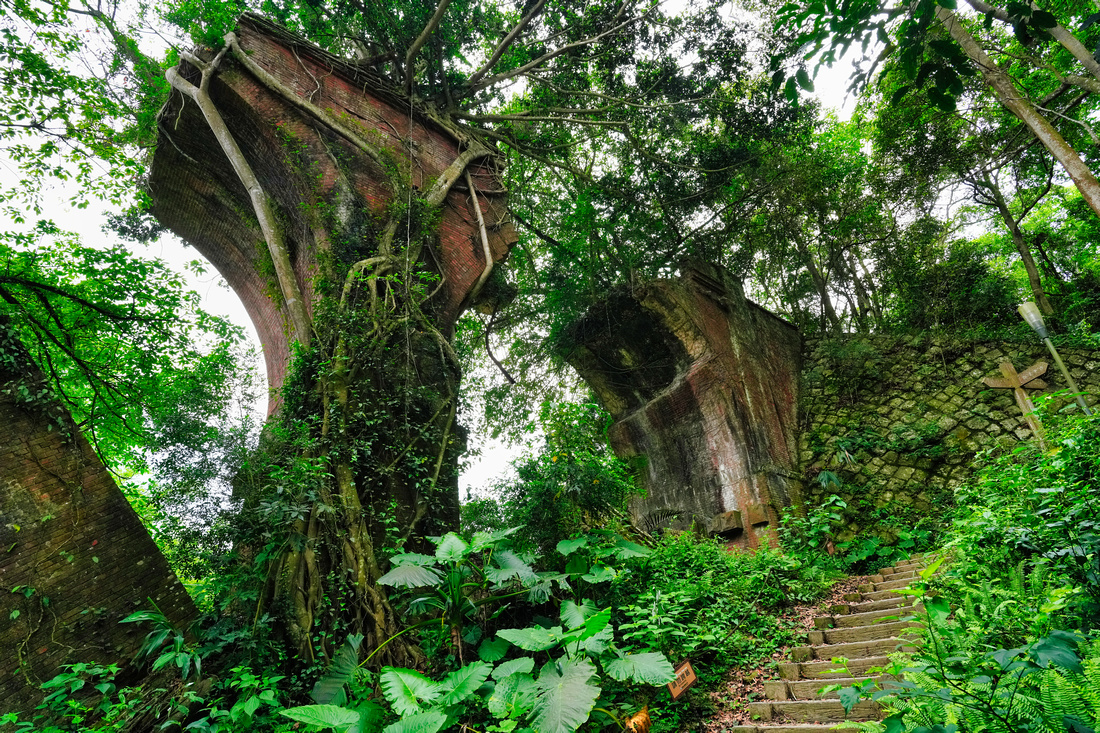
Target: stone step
[885, 585]
[817, 670]
[893, 574]
[872, 632]
[808, 689]
[812, 711]
[866, 606]
[788, 728]
[881, 595]
[853, 650]
[847, 620]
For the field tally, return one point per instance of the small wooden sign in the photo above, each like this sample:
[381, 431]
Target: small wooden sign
[685, 678]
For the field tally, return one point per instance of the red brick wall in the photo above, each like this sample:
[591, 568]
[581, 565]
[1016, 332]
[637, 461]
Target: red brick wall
[68, 533]
[198, 195]
[704, 385]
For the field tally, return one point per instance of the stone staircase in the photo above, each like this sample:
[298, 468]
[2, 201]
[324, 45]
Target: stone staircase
[865, 631]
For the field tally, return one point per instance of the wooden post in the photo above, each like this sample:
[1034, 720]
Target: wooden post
[1028, 378]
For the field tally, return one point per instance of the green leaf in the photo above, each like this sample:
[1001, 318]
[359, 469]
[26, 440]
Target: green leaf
[452, 549]
[564, 697]
[568, 547]
[599, 574]
[460, 684]
[513, 696]
[429, 722]
[492, 650]
[412, 558]
[849, 696]
[371, 715]
[410, 576]
[406, 689]
[511, 566]
[650, 668]
[329, 690]
[523, 665]
[938, 609]
[1059, 648]
[533, 639]
[326, 716]
[573, 615]
[625, 549]
[894, 723]
[804, 80]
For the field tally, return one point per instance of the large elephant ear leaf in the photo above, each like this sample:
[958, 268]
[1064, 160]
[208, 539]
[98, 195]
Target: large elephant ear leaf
[429, 722]
[460, 684]
[513, 696]
[451, 548]
[406, 689]
[330, 690]
[329, 716]
[410, 576]
[564, 695]
[651, 668]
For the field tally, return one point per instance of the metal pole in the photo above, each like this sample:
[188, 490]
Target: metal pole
[1069, 380]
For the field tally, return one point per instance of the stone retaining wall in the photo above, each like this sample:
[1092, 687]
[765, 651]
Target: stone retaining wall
[899, 419]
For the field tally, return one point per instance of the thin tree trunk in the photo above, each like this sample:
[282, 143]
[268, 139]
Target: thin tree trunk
[1033, 277]
[1018, 104]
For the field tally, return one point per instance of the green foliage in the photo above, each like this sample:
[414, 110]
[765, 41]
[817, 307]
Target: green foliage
[572, 483]
[854, 365]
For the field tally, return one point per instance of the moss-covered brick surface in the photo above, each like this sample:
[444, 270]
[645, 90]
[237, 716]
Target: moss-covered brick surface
[898, 420]
[74, 557]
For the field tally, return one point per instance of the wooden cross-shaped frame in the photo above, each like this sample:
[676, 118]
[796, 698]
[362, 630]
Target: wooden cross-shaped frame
[1029, 379]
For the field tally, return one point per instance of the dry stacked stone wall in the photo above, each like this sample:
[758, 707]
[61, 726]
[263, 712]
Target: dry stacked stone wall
[898, 420]
[74, 556]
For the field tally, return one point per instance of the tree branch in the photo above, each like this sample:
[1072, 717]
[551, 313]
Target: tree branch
[505, 44]
[429, 29]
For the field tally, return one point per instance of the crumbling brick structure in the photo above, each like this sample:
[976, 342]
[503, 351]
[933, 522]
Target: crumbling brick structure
[74, 556]
[703, 386]
[329, 194]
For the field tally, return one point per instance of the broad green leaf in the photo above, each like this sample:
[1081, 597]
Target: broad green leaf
[493, 649]
[371, 715]
[573, 615]
[510, 566]
[406, 689]
[460, 684]
[651, 668]
[512, 696]
[452, 549]
[599, 574]
[804, 80]
[410, 576]
[564, 695]
[625, 549]
[329, 690]
[328, 716]
[482, 539]
[568, 547]
[429, 722]
[894, 723]
[849, 696]
[523, 665]
[938, 609]
[1059, 648]
[412, 558]
[533, 639]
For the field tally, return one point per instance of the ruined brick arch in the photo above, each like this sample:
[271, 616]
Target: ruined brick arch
[703, 388]
[75, 558]
[307, 166]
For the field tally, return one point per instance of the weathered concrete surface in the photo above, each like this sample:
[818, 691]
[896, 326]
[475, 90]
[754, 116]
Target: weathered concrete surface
[74, 557]
[703, 384]
[330, 196]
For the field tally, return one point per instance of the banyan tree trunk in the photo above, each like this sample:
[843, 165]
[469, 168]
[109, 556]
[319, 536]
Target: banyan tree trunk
[355, 226]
